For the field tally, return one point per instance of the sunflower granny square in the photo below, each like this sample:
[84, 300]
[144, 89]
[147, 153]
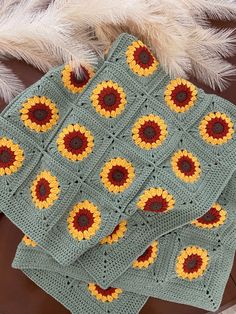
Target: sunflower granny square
[79, 157]
[112, 175]
[80, 297]
[189, 265]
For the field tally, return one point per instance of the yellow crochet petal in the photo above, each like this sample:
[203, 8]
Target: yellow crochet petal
[49, 187]
[156, 200]
[180, 95]
[12, 157]
[186, 166]
[140, 60]
[39, 114]
[104, 295]
[148, 257]
[192, 263]
[117, 175]
[117, 234]
[216, 128]
[214, 218]
[149, 132]
[74, 84]
[89, 214]
[75, 142]
[108, 99]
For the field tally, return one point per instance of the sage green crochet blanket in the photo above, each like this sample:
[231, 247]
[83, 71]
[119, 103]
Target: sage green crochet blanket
[117, 177]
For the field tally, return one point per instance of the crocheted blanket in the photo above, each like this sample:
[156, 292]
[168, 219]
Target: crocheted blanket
[154, 272]
[98, 171]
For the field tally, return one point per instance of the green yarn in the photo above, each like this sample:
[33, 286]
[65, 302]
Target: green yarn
[172, 167]
[159, 279]
[74, 295]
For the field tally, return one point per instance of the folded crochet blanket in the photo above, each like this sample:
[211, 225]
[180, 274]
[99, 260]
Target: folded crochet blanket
[190, 265]
[112, 150]
[80, 297]
[109, 259]
[96, 170]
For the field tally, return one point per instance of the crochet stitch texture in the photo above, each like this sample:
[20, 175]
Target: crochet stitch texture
[162, 278]
[162, 275]
[123, 169]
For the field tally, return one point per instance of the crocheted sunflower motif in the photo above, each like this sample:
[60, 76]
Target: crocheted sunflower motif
[11, 157]
[72, 82]
[186, 166]
[108, 99]
[192, 262]
[140, 60]
[28, 242]
[180, 95]
[45, 190]
[84, 220]
[117, 233]
[214, 218]
[75, 142]
[120, 154]
[149, 131]
[216, 128]
[117, 175]
[148, 257]
[104, 295]
[156, 200]
[39, 114]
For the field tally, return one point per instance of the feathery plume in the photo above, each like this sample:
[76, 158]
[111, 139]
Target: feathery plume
[10, 84]
[42, 37]
[177, 31]
[46, 33]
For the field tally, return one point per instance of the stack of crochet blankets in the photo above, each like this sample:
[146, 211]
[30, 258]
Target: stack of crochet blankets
[123, 183]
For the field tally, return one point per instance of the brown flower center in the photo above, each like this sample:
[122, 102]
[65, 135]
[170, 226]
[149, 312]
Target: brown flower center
[191, 263]
[144, 57]
[182, 96]
[42, 190]
[83, 220]
[149, 132]
[218, 128]
[76, 143]
[155, 206]
[109, 99]
[209, 217]
[117, 175]
[40, 114]
[185, 166]
[80, 80]
[5, 156]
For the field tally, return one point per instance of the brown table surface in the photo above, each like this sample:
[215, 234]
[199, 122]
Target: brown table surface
[18, 295]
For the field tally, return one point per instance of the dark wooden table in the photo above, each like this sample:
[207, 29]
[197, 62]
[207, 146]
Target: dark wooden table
[18, 295]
